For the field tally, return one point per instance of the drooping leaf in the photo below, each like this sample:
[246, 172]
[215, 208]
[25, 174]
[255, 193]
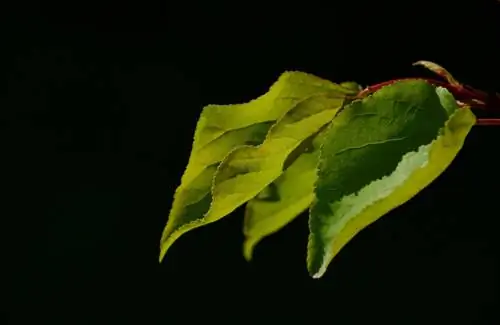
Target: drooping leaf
[222, 128]
[378, 154]
[248, 170]
[290, 195]
[284, 199]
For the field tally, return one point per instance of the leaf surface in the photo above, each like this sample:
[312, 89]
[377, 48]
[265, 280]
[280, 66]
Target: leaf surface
[378, 154]
[289, 195]
[222, 128]
[284, 199]
[248, 170]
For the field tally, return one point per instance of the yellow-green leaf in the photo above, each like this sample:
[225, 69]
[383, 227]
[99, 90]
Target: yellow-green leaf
[290, 195]
[247, 170]
[284, 199]
[378, 154]
[222, 128]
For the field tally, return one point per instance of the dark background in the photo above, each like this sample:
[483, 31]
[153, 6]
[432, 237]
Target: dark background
[96, 126]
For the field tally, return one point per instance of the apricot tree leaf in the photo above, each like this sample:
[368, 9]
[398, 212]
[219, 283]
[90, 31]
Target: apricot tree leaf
[222, 128]
[247, 170]
[289, 195]
[284, 199]
[349, 156]
[378, 153]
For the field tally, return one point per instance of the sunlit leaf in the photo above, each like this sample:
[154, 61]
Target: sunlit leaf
[222, 128]
[378, 154]
[249, 169]
[349, 155]
[284, 199]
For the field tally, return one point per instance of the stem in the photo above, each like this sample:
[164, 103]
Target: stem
[488, 121]
[465, 96]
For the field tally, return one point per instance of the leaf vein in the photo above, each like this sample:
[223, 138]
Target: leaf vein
[369, 144]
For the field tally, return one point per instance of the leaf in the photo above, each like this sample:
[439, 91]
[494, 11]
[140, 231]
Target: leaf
[287, 197]
[407, 137]
[248, 169]
[439, 70]
[222, 128]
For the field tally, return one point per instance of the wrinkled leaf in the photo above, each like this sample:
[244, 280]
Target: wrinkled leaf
[247, 170]
[290, 195]
[378, 154]
[222, 128]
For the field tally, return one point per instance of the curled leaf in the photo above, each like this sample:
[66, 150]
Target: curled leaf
[248, 170]
[287, 197]
[221, 129]
[292, 193]
[379, 153]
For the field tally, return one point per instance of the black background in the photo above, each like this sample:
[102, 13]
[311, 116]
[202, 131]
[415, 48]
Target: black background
[96, 128]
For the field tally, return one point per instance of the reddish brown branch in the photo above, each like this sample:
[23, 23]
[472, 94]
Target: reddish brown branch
[371, 89]
[488, 121]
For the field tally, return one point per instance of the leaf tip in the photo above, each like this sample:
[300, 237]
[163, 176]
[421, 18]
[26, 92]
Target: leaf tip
[166, 242]
[317, 272]
[163, 249]
[437, 69]
[317, 275]
[317, 262]
[162, 254]
[248, 247]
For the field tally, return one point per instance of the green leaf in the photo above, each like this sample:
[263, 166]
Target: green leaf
[287, 197]
[222, 128]
[247, 170]
[378, 154]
